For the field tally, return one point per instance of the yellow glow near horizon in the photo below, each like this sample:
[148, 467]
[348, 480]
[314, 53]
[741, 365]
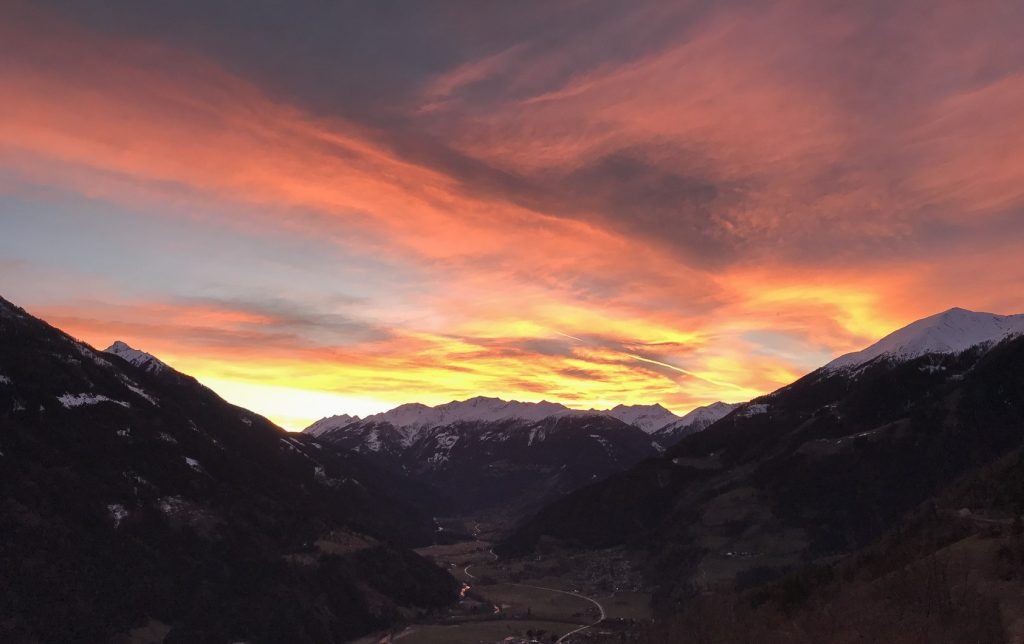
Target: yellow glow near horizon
[292, 409]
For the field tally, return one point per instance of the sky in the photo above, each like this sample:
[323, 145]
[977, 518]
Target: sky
[321, 208]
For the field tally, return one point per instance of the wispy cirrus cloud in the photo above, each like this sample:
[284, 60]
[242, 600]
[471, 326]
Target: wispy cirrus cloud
[595, 203]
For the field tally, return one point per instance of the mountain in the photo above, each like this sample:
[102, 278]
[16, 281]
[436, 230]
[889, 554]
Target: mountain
[950, 571]
[478, 409]
[948, 332]
[649, 418]
[140, 359]
[696, 421]
[131, 496]
[814, 471]
[512, 464]
[491, 454]
[330, 423]
[412, 418]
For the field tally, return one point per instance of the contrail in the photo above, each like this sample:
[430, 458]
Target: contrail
[566, 335]
[719, 383]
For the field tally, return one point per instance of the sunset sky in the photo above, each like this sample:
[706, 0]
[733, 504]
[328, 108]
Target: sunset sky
[319, 208]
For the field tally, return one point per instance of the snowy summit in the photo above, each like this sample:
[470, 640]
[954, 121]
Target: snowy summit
[649, 418]
[141, 359]
[952, 331]
[330, 423]
[480, 408]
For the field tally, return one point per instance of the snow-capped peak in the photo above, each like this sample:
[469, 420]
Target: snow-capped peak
[329, 423]
[649, 418]
[951, 331]
[698, 419]
[708, 413]
[141, 359]
[481, 408]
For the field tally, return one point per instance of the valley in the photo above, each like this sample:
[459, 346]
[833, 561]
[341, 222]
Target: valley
[888, 490]
[555, 596]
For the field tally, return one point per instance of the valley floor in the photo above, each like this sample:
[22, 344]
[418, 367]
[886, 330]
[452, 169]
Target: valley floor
[553, 597]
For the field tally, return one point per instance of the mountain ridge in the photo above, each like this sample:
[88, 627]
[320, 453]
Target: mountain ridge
[410, 418]
[951, 331]
[811, 471]
[130, 493]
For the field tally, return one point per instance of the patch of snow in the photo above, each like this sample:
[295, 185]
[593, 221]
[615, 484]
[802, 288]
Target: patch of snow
[167, 438]
[134, 477]
[118, 513]
[247, 421]
[754, 409]
[125, 433]
[608, 448]
[171, 504]
[296, 447]
[537, 435]
[950, 332]
[78, 400]
[320, 476]
[372, 441]
[4, 380]
[142, 393]
[91, 355]
[437, 458]
[194, 464]
[447, 441]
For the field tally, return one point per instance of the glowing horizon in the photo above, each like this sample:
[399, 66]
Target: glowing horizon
[389, 205]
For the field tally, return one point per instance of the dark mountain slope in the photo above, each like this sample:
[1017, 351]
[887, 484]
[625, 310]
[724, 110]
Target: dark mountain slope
[952, 571]
[131, 494]
[512, 465]
[816, 469]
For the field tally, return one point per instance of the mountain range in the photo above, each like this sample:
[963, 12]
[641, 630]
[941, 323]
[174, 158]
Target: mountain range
[133, 497]
[488, 454]
[412, 418]
[817, 470]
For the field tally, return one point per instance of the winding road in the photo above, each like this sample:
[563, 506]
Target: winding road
[563, 638]
[600, 608]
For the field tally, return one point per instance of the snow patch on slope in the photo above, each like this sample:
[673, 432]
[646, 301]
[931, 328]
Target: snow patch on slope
[79, 400]
[117, 512]
[754, 409]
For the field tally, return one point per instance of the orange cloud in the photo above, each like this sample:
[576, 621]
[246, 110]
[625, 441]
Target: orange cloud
[706, 220]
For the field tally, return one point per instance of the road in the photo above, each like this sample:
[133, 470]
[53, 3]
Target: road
[563, 638]
[600, 609]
